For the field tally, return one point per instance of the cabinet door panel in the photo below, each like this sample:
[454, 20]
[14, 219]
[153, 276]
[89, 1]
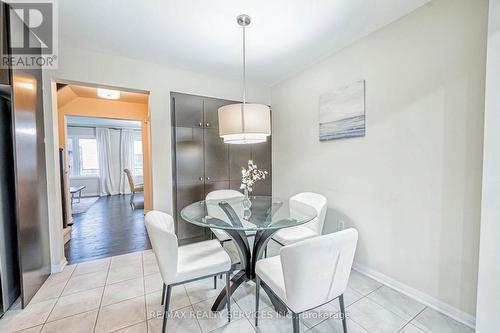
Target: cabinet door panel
[188, 111]
[215, 186]
[186, 195]
[238, 159]
[211, 111]
[261, 155]
[189, 155]
[235, 185]
[216, 157]
[262, 187]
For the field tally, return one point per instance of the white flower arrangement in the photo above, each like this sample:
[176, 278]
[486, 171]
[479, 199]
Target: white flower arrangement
[250, 175]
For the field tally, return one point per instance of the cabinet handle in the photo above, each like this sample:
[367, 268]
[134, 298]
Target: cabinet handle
[200, 124]
[208, 178]
[207, 124]
[201, 178]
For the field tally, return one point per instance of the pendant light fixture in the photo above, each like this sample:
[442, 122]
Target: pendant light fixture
[244, 123]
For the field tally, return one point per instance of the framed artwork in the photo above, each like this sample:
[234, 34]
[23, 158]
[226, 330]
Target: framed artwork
[342, 112]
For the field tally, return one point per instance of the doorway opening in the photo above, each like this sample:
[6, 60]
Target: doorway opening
[105, 170]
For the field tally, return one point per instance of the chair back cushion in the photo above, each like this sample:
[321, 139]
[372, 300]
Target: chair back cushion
[161, 231]
[315, 200]
[232, 197]
[317, 270]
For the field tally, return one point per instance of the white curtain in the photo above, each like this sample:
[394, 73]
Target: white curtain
[116, 153]
[108, 183]
[126, 158]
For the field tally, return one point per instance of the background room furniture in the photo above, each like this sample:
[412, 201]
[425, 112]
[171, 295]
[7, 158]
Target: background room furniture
[179, 265]
[76, 190]
[202, 162]
[309, 229]
[134, 188]
[268, 215]
[304, 284]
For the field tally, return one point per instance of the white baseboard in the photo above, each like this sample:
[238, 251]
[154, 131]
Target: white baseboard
[57, 268]
[419, 296]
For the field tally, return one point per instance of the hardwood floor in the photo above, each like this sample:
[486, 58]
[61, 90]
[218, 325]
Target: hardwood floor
[110, 227]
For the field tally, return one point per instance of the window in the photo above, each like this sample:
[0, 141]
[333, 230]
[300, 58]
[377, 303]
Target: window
[82, 156]
[137, 157]
[88, 157]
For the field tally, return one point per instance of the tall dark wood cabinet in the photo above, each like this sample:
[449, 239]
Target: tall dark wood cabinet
[202, 162]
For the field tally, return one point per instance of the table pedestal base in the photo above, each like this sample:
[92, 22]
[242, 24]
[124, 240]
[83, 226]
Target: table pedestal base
[248, 260]
[236, 281]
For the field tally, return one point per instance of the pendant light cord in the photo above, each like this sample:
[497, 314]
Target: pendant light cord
[244, 84]
[244, 68]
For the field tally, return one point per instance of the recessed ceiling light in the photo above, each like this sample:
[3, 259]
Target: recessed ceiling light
[108, 93]
[25, 85]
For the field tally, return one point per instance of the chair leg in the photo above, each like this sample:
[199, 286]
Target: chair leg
[228, 296]
[342, 313]
[257, 297]
[163, 294]
[132, 200]
[265, 252]
[221, 244]
[165, 309]
[215, 281]
[295, 322]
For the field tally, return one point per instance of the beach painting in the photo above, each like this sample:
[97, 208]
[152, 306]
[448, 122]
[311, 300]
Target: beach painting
[342, 112]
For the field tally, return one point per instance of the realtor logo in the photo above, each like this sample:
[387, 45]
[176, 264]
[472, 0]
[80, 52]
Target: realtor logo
[33, 34]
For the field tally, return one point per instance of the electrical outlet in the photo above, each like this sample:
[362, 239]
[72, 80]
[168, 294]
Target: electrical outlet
[340, 224]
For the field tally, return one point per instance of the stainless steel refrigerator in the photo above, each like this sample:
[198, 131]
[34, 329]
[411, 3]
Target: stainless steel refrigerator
[24, 227]
[9, 267]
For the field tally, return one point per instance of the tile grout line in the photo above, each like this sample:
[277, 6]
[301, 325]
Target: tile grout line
[415, 316]
[408, 320]
[71, 275]
[57, 300]
[66, 317]
[197, 321]
[102, 296]
[144, 294]
[365, 296]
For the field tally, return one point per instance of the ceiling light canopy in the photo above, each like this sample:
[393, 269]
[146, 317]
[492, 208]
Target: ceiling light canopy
[108, 93]
[244, 123]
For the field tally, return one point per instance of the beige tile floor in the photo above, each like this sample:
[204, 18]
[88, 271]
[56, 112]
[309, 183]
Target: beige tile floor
[122, 294]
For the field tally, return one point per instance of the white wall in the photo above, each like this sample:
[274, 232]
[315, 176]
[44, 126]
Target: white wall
[93, 67]
[92, 185]
[412, 186]
[488, 301]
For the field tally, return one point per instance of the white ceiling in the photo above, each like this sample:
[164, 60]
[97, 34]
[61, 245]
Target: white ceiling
[101, 122]
[284, 37]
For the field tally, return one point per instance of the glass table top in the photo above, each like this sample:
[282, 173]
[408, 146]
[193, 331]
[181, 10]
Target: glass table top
[232, 213]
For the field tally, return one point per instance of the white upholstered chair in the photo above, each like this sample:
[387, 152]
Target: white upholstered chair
[309, 273]
[308, 230]
[234, 198]
[134, 188]
[179, 265]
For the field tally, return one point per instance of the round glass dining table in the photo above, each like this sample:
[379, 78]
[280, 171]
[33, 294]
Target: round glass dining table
[265, 216]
